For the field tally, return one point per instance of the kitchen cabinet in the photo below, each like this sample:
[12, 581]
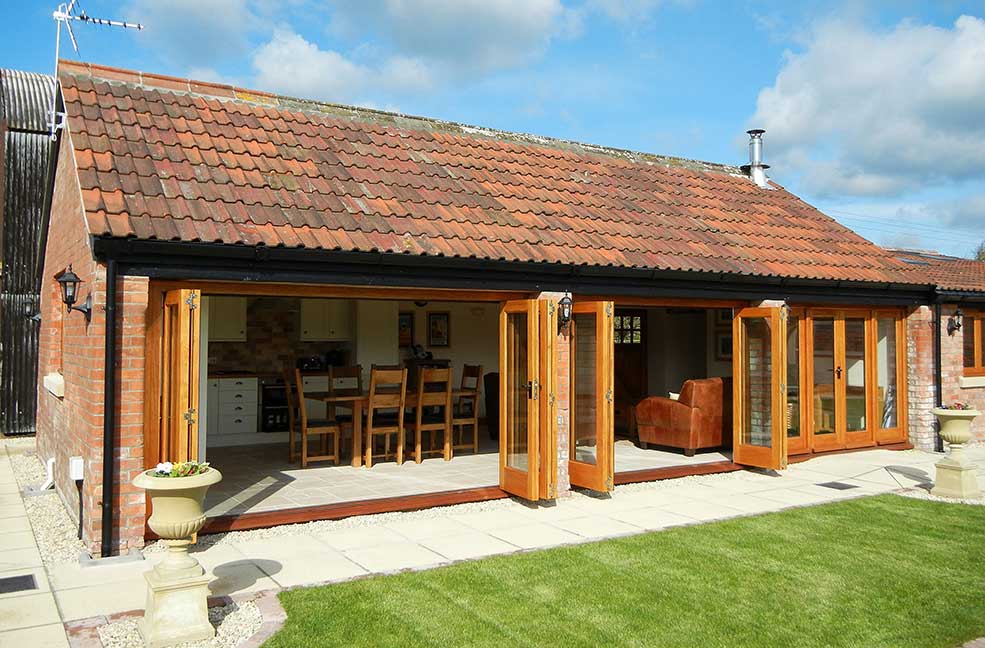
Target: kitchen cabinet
[227, 319]
[326, 320]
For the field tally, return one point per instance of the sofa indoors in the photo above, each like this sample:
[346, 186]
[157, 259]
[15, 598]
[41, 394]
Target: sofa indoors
[700, 418]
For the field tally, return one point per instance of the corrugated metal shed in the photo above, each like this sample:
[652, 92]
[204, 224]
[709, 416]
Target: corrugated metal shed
[25, 151]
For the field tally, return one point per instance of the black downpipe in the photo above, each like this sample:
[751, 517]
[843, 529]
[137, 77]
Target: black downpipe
[938, 377]
[109, 410]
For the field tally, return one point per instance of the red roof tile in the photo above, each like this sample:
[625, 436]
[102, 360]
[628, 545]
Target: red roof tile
[172, 159]
[946, 272]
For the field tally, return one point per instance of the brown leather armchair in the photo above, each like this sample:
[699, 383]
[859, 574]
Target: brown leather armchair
[700, 418]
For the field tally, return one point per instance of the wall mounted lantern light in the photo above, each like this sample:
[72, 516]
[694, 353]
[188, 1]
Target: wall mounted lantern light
[954, 322]
[564, 311]
[69, 282]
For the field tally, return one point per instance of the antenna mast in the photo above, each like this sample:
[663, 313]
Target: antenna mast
[64, 15]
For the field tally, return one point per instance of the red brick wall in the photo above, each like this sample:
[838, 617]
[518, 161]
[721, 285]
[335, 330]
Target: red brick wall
[920, 358]
[563, 404]
[73, 425]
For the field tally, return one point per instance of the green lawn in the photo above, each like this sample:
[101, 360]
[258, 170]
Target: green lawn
[881, 571]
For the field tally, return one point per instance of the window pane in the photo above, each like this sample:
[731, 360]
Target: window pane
[886, 369]
[516, 391]
[968, 330]
[793, 376]
[584, 429]
[824, 375]
[757, 397]
[855, 399]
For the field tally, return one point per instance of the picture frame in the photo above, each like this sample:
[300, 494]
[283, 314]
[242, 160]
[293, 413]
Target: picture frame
[723, 318]
[723, 346]
[439, 329]
[405, 329]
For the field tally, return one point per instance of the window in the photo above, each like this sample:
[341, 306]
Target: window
[628, 328]
[973, 329]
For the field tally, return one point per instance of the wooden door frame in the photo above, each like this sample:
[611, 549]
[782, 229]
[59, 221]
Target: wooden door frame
[153, 329]
[601, 475]
[525, 485]
[774, 456]
[799, 444]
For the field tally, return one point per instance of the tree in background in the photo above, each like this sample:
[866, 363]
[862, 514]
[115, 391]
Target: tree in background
[980, 251]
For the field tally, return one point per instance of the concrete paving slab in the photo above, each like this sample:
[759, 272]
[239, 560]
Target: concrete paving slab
[467, 546]
[51, 635]
[535, 536]
[28, 611]
[390, 558]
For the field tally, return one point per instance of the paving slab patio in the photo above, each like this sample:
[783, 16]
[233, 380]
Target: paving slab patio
[327, 552]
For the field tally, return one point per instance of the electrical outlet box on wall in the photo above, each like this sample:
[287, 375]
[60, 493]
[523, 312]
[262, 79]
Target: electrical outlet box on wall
[76, 468]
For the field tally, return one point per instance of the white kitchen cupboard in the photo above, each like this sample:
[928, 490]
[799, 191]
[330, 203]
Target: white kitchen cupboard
[326, 319]
[227, 319]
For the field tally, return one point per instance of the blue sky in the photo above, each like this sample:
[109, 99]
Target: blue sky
[875, 111]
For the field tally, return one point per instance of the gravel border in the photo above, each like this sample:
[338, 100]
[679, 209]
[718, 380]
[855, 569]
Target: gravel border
[241, 621]
[55, 532]
[920, 493]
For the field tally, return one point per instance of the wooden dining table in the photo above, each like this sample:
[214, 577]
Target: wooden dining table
[358, 402]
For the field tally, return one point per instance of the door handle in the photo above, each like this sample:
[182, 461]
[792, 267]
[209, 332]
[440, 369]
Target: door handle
[838, 372]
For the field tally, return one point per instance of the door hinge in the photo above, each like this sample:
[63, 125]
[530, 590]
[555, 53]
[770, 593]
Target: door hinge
[533, 389]
[189, 416]
[551, 308]
[552, 400]
[608, 483]
[608, 309]
[191, 301]
[608, 396]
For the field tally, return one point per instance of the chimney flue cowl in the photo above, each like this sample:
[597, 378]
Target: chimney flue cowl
[756, 169]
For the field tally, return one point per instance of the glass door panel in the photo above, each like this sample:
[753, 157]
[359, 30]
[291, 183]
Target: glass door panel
[823, 364]
[759, 367]
[855, 378]
[519, 390]
[796, 435]
[889, 375]
[592, 413]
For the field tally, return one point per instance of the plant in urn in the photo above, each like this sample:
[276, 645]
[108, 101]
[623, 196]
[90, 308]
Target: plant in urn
[177, 588]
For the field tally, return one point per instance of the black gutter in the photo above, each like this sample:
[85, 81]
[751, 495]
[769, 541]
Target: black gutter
[938, 375]
[214, 262]
[109, 410]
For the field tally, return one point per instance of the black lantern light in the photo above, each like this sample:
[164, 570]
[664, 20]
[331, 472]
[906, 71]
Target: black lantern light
[69, 282]
[954, 321]
[564, 311]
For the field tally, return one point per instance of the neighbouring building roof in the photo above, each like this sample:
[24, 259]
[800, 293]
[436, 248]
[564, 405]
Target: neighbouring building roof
[179, 160]
[946, 272]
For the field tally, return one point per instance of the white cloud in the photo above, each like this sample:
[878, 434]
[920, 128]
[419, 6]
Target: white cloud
[463, 36]
[194, 32]
[865, 112]
[291, 65]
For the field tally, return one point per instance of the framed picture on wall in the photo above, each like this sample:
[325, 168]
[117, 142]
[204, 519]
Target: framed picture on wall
[723, 318]
[723, 345]
[405, 329]
[439, 329]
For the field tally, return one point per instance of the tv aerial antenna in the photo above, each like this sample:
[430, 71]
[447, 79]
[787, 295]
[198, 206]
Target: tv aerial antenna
[65, 14]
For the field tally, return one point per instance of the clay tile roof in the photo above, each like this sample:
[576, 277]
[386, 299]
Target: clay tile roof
[946, 272]
[175, 159]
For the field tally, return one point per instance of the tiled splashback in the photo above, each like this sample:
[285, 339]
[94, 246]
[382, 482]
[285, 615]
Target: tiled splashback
[272, 339]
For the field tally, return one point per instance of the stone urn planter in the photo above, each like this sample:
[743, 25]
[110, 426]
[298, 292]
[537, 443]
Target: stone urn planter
[956, 476]
[177, 588]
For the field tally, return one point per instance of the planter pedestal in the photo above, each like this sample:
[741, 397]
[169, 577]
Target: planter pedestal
[176, 610]
[177, 588]
[956, 476]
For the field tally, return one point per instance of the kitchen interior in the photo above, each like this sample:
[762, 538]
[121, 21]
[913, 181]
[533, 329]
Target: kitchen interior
[249, 341]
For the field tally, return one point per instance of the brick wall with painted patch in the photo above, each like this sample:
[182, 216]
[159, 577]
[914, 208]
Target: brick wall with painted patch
[70, 385]
[921, 329]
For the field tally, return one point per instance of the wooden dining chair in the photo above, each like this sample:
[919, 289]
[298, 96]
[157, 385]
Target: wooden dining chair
[344, 381]
[320, 429]
[432, 412]
[292, 415]
[385, 411]
[467, 409]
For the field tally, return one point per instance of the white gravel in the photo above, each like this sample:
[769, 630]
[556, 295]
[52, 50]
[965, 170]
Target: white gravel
[233, 623]
[55, 532]
[920, 493]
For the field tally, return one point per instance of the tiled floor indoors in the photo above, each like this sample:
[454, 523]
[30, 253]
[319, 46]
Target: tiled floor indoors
[259, 478]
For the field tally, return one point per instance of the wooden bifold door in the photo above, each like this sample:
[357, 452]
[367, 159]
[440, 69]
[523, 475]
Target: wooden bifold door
[180, 324]
[759, 383]
[592, 443]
